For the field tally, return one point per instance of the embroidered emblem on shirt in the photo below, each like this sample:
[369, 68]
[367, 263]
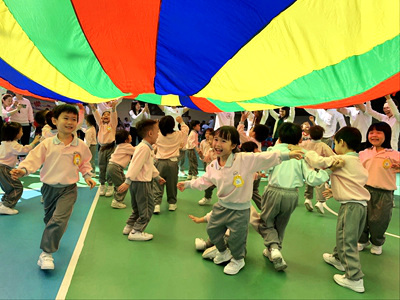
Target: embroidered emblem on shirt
[77, 159]
[387, 163]
[238, 181]
[109, 128]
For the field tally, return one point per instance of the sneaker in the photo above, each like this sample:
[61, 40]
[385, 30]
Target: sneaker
[127, 229]
[189, 177]
[157, 209]
[139, 236]
[355, 285]
[172, 207]
[109, 191]
[4, 210]
[222, 257]
[46, 261]
[377, 250]
[267, 254]
[320, 207]
[234, 266]
[308, 205]
[41, 200]
[205, 201]
[182, 174]
[200, 244]
[277, 260]
[210, 253]
[102, 190]
[116, 204]
[361, 246]
[330, 259]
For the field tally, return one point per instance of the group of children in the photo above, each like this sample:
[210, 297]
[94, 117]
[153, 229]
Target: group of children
[234, 174]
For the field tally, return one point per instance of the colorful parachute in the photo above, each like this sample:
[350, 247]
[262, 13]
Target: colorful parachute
[219, 55]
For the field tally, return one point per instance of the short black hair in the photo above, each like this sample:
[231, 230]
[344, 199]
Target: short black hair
[316, 132]
[260, 132]
[49, 120]
[193, 123]
[290, 133]
[10, 130]
[90, 120]
[121, 136]
[386, 129]
[229, 133]
[144, 126]
[40, 117]
[167, 125]
[248, 147]
[210, 131]
[350, 135]
[68, 108]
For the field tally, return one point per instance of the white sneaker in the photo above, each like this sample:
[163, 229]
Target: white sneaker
[189, 177]
[102, 190]
[127, 229]
[308, 205]
[172, 207]
[267, 254]
[222, 257]
[157, 209]
[320, 207]
[116, 204]
[277, 259]
[46, 261]
[205, 201]
[109, 191]
[234, 266]
[330, 259]
[4, 210]
[377, 250]
[182, 174]
[355, 285]
[210, 253]
[139, 236]
[200, 244]
[361, 246]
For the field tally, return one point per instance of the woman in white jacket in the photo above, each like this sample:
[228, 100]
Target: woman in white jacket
[286, 114]
[137, 114]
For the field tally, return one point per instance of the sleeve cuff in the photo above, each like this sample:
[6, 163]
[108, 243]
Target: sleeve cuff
[285, 156]
[128, 181]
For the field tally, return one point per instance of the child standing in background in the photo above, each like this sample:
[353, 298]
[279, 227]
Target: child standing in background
[207, 155]
[193, 147]
[118, 162]
[305, 127]
[9, 151]
[62, 157]
[107, 123]
[379, 160]
[91, 141]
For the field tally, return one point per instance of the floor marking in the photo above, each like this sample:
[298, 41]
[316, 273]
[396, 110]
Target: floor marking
[62, 292]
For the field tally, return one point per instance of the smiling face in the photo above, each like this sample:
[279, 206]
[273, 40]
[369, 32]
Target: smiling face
[376, 138]
[105, 118]
[222, 147]
[7, 101]
[66, 122]
[282, 113]
[387, 110]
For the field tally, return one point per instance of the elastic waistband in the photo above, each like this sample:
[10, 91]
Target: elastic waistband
[282, 188]
[378, 189]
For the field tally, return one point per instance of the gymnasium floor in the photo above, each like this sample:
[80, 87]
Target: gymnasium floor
[96, 261]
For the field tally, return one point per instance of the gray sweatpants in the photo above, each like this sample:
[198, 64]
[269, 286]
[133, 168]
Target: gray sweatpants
[309, 192]
[277, 205]
[350, 224]
[193, 164]
[169, 171]
[93, 160]
[104, 158]
[181, 159]
[379, 214]
[116, 172]
[12, 187]
[142, 205]
[256, 193]
[237, 221]
[58, 205]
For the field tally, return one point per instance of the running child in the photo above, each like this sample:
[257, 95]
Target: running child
[193, 147]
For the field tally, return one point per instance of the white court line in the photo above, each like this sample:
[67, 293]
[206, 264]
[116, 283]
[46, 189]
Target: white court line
[62, 292]
[334, 213]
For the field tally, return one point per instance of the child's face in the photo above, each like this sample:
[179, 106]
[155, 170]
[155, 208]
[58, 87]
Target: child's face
[19, 135]
[305, 126]
[197, 127]
[339, 147]
[105, 118]
[206, 135]
[222, 147]
[66, 122]
[376, 138]
[153, 134]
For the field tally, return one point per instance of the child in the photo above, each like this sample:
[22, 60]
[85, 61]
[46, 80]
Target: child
[107, 123]
[168, 144]
[207, 155]
[257, 134]
[281, 196]
[62, 157]
[140, 173]
[378, 159]
[48, 130]
[9, 151]
[232, 173]
[91, 141]
[193, 147]
[305, 127]
[118, 162]
[322, 149]
[348, 188]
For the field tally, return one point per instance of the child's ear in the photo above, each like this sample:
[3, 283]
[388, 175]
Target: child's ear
[54, 120]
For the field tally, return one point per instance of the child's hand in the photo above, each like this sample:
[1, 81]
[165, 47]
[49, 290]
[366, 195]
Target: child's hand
[244, 116]
[337, 164]
[294, 147]
[90, 182]
[123, 187]
[297, 154]
[327, 193]
[197, 220]
[36, 139]
[179, 119]
[17, 173]
[312, 119]
[92, 106]
[395, 167]
[161, 181]
[181, 186]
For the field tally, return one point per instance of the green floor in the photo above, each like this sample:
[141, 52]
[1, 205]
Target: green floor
[169, 267]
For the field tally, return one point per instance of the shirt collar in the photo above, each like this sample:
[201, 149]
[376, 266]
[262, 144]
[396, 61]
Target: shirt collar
[147, 143]
[74, 142]
[229, 161]
[352, 154]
